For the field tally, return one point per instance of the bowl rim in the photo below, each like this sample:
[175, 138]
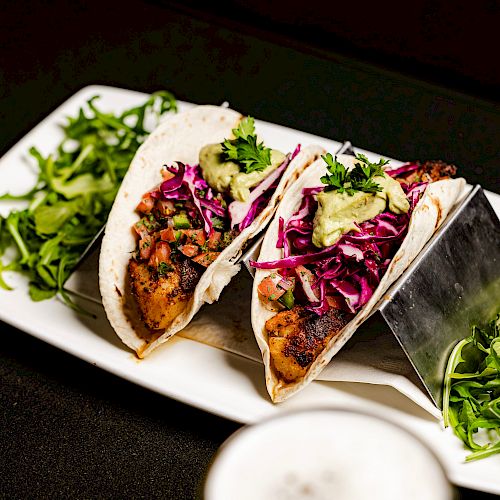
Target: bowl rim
[323, 409]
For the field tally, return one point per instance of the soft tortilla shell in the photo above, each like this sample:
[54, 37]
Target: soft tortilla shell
[430, 212]
[179, 138]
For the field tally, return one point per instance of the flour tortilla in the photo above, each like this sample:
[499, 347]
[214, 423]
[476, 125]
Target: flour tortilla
[432, 209]
[179, 138]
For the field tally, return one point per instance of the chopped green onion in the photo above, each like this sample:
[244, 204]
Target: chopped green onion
[181, 221]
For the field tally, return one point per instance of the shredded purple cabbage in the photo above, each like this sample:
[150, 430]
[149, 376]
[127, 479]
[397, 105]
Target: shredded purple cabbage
[296, 151]
[313, 190]
[174, 182]
[294, 260]
[213, 205]
[254, 211]
[194, 181]
[281, 232]
[415, 191]
[321, 306]
[354, 266]
[403, 169]
[188, 184]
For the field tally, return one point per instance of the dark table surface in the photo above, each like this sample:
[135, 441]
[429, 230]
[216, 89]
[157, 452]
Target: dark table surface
[68, 429]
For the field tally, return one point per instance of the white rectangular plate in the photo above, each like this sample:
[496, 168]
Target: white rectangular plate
[193, 373]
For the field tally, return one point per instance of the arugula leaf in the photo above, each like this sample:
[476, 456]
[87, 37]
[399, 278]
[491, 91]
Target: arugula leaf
[244, 148]
[49, 219]
[3, 283]
[360, 178]
[39, 293]
[471, 394]
[73, 194]
[14, 224]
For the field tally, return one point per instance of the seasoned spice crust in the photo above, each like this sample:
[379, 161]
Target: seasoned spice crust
[298, 336]
[190, 275]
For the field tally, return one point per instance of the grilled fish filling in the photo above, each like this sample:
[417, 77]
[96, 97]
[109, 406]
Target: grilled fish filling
[162, 297]
[336, 285]
[172, 253]
[430, 171]
[298, 336]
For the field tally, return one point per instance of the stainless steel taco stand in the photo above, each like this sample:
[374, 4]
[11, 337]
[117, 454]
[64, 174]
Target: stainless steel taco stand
[453, 284]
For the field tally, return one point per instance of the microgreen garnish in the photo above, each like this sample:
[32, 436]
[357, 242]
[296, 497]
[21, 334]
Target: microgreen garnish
[217, 222]
[360, 178]
[244, 148]
[163, 268]
[471, 396]
[73, 194]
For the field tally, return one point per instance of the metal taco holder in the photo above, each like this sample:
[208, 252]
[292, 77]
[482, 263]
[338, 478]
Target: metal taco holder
[453, 284]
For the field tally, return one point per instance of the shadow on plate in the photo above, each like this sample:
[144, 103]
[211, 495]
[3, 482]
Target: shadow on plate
[99, 325]
[381, 394]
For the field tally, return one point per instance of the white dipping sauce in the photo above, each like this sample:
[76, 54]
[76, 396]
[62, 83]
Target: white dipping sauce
[325, 454]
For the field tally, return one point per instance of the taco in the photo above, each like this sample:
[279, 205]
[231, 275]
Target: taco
[197, 190]
[343, 233]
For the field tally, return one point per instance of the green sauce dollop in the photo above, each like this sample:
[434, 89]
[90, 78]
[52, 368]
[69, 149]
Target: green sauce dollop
[337, 212]
[226, 176]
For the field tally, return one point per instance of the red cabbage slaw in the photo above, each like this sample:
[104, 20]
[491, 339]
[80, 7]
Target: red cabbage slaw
[348, 272]
[187, 183]
[402, 169]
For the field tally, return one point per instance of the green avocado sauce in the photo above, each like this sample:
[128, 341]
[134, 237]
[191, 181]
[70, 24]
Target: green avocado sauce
[337, 212]
[223, 175]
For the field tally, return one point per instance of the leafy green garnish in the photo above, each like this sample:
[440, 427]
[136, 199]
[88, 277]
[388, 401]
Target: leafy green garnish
[244, 148]
[163, 268]
[73, 194]
[471, 395]
[217, 222]
[287, 299]
[360, 178]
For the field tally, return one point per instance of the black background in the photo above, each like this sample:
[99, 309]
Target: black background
[410, 82]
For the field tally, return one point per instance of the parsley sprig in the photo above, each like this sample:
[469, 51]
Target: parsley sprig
[244, 148]
[163, 269]
[360, 178]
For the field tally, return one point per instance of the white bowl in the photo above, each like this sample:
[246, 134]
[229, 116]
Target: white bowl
[325, 454]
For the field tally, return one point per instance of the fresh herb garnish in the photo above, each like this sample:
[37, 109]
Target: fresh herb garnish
[217, 222]
[360, 178]
[73, 194]
[163, 268]
[244, 148]
[226, 239]
[471, 398]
